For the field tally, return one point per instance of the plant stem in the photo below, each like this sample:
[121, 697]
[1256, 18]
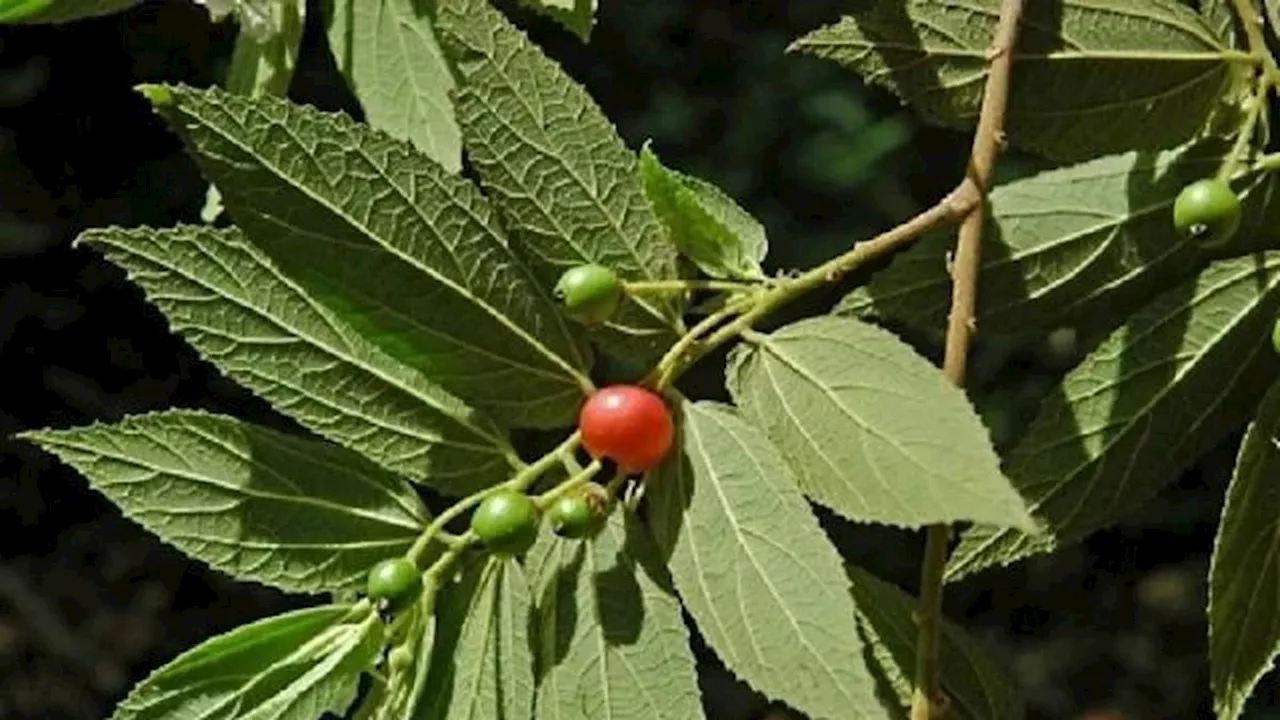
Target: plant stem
[584, 476]
[520, 482]
[927, 701]
[1245, 138]
[672, 287]
[1252, 24]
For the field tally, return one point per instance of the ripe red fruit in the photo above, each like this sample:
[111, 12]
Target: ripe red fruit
[627, 424]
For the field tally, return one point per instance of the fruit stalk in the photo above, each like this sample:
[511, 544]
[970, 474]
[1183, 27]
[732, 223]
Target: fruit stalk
[927, 701]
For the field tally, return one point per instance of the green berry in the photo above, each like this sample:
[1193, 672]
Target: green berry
[400, 659]
[1207, 210]
[395, 580]
[590, 293]
[1275, 335]
[580, 514]
[506, 522]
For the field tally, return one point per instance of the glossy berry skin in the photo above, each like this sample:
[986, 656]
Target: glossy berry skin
[579, 514]
[627, 424]
[395, 580]
[506, 522]
[590, 294]
[1208, 211]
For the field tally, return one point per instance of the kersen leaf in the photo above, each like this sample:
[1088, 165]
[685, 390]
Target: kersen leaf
[266, 332]
[1244, 580]
[610, 639]
[706, 225]
[1178, 377]
[579, 16]
[1075, 246]
[566, 185]
[295, 666]
[300, 514]
[482, 666]
[1093, 76]
[978, 687]
[265, 66]
[59, 11]
[871, 429]
[388, 52]
[404, 251]
[754, 569]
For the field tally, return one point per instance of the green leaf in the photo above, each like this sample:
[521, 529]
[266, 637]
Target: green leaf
[1244, 580]
[754, 569]
[706, 225]
[871, 429]
[979, 688]
[482, 667]
[579, 16]
[268, 333]
[265, 66]
[300, 514]
[59, 11]
[408, 253]
[1077, 246]
[1092, 77]
[610, 640]
[294, 666]
[566, 185]
[1180, 375]
[388, 52]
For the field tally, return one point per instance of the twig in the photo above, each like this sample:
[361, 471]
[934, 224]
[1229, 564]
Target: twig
[927, 701]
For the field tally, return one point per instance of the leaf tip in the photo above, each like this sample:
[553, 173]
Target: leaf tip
[159, 95]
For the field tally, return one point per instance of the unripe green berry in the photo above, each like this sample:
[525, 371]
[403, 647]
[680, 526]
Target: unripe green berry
[1208, 211]
[400, 658]
[395, 580]
[581, 513]
[506, 522]
[590, 294]
[1275, 336]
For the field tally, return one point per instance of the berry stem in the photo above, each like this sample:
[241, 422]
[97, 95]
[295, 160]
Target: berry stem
[520, 482]
[676, 287]
[1244, 140]
[544, 500]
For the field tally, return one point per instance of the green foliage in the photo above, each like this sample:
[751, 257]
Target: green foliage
[579, 16]
[1079, 246]
[482, 666]
[390, 258]
[300, 514]
[1244, 581]
[59, 11]
[610, 641]
[408, 315]
[265, 331]
[777, 610]
[977, 685]
[289, 667]
[389, 54]
[1166, 69]
[564, 183]
[706, 225]
[265, 65]
[1152, 398]
[870, 428]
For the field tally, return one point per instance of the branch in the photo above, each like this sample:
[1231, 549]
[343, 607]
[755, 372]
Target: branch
[927, 701]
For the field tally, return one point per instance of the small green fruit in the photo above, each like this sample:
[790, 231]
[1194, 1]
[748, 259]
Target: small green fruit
[506, 522]
[580, 514]
[1207, 210]
[590, 293]
[400, 659]
[395, 580]
[1275, 336]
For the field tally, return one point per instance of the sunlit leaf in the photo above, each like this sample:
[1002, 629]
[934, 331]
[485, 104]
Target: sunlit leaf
[1178, 377]
[753, 567]
[870, 428]
[300, 514]
[406, 252]
[267, 332]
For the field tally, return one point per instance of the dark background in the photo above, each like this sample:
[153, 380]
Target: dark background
[90, 603]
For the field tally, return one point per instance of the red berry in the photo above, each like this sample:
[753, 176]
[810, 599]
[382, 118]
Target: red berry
[627, 424]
